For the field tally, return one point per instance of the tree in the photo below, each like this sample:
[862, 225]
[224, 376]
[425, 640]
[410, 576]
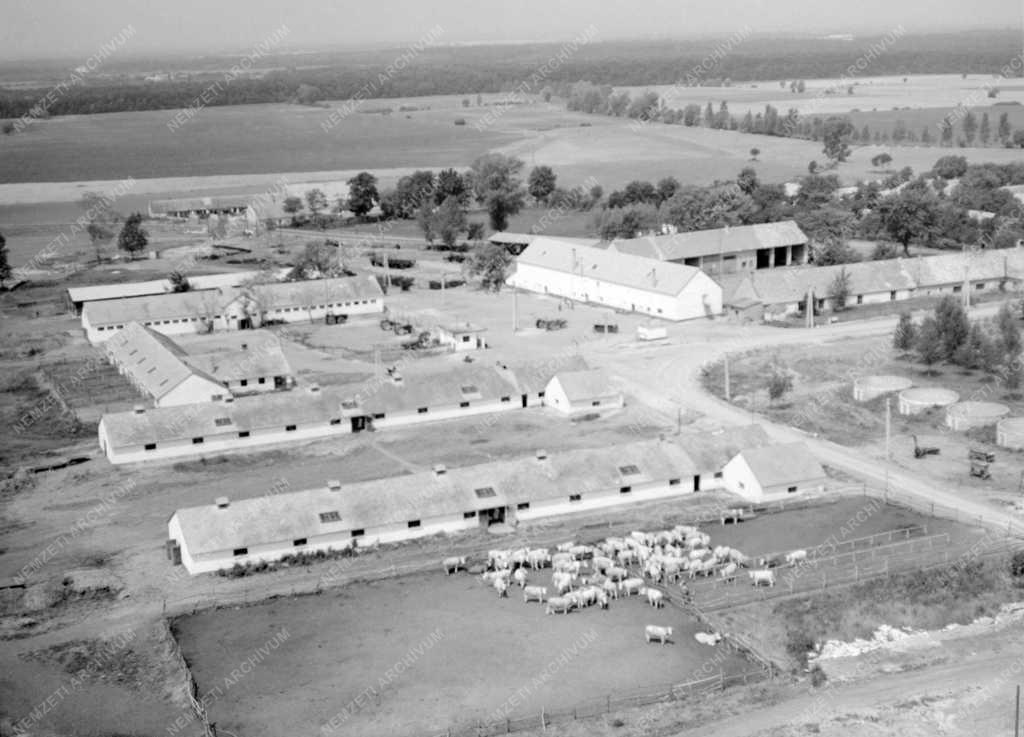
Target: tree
[1018, 139]
[801, 86]
[362, 193]
[1004, 130]
[985, 131]
[950, 167]
[667, 188]
[495, 182]
[450, 184]
[709, 116]
[475, 231]
[953, 326]
[905, 336]
[541, 183]
[449, 220]
[5, 266]
[316, 201]
[747, 180]
[812, 167]
[970, 126]
[292, 206]
[835, 134]
[99, 233]
[928, 343]
[132, 238]
[754, 153]
[1009, 334]
[977, 351]
[489, 261]
[101, 216]
[179, 282]
[881, 160]
[946, 132]
[779, 383]
[911, 213]
[625, 222]
[926, 136]
[839, 290]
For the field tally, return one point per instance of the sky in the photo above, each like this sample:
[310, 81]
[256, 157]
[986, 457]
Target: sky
[62, 28]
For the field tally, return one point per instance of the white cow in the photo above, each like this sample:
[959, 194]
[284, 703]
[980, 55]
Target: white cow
[627, 556]
[520, 577]
[579, 552]
[561, 581]
[728, 573]
[601, 563]
[565, 547]
[538, 558]
[702, 568]
[796, 556]
[602, 599]
[616, 574]
[631, 586]
[535, 593]
[489, 577]
[610, 589]
[707, 638]
[655, 597]
[762, 577]
[661, 634]
[558, 604]
[453, 564]
[501, 586]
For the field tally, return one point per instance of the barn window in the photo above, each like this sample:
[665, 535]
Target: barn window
[468, 515]
[197, 441]
[791, 489]
[378, 415]
[629, 470]
[625, 489]
[299, 543]
[860, 299]
[330, 517]
[718, 474]
[413, 523]
[358, 533]
[596, 403]
[540, 395]
[222, 421]
[742, 485]
[485, 492]
[506, 399]
[673, 482]
[523, 505]
[244, 382]
[575, 497]
[263, 380]
[289, 428]
[216, 397]
[349, 404]
[421, 410]
[240, 551]
[243, 434]
[335, 421]
[463, 404]
[149, 446]
[957, 289]
[979, 285]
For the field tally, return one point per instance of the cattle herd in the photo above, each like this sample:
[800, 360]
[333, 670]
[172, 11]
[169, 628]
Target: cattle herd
[640, 564]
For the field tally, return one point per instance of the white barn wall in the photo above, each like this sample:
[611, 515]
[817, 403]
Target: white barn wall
[193, 390]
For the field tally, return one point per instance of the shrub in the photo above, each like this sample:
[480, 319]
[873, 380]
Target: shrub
[394, 263]
[798, 644]
[448, 283]
[1017, 564]
[456, 258]
[818, 677]
[460, 121]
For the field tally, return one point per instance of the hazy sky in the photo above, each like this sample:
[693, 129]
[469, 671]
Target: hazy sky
[76, 27]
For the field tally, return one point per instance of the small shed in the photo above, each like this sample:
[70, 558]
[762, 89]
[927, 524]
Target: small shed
[579, 391]
[461, 337]
[773, 472]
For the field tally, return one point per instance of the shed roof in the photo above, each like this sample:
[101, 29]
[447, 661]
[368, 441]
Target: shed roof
[775, 465]
[693, 244]
[398, 499]
[157, 307]
[317, 291]
[162, 286]
[637, 272]
[584, 385]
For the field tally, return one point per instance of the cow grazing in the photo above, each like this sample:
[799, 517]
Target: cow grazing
[501, 586]
[520, 577]
[535, 593]
[758, 578]
[728, 573]
[558, 604]
[538, 558]
[631, 586]
[616, 574]
[565, 547]
[601, 563]
[655, 598]
[661, 634]
[795, 557]
[453, 564]
[602, 599]
[610, 588]
[707, 638]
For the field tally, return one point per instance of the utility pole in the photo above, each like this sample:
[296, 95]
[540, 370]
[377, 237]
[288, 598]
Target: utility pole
[728, 394]
[888, 429]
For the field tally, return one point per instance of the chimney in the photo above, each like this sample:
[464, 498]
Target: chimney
[222, 502]
[139, 409]
[542, 455]
[439, 469]
[333, 485]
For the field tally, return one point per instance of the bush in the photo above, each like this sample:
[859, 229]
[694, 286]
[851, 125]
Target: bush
[401, 282]
[798, 644]
[1017, 564]
[448, 283]
[460, 121]
[818, 677]
[456, 258]
[394, 263]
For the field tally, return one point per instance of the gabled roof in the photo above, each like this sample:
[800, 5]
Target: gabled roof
[693, 244]
[437, 389]
[532, 377]
[262, 359]
[775, 465]
[172, 306]
[712, 450]
[584, 385]
[155, 363]
[162, 286]
[399, 499]
[649, 275]
[222, 202]
[317, 291]
[525, 239]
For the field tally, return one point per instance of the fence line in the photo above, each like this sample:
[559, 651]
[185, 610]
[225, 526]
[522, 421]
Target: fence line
[191, 688]
[664, 693]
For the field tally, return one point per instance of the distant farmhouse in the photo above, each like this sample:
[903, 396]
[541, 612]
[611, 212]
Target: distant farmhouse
[516, 243]
[210, 427]
[451, 500]
[170, 375]
[235, 308]
[743, 248]
[623, 281]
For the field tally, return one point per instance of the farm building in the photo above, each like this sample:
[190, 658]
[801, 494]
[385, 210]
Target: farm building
[516, 243]
[582, 391]
[77, 297]
[710, 451]
[200, 207]
[532, 377]
[622, 281]
[235, 308]
[244, 423]
[773, 472]
[336, 516]
[727, 250]
[464, 336]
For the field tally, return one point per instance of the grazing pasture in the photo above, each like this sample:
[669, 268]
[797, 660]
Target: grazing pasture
[468, 654]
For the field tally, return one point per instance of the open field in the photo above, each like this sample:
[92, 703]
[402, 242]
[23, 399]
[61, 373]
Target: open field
[471, 653]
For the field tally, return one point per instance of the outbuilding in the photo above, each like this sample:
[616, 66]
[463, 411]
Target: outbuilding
[773, 472]
[462, 336]
[571, 392]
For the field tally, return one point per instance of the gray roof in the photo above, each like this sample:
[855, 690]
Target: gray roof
[693, 244]
[317, 291]
[584, 385]
[162, 286]
[775, 465]
[221, 202]
[437, 389]
[532, 377]
[647, 274]
[155, 363]
[525, 239]
[398, 499]
[712, 450]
